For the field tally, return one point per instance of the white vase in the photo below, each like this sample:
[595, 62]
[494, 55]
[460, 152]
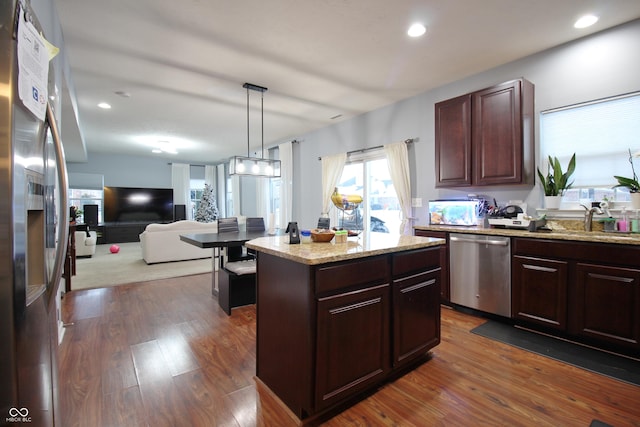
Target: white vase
[635, 201]
[552, 202]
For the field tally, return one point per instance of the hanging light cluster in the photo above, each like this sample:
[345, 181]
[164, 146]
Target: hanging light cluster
[254, 166]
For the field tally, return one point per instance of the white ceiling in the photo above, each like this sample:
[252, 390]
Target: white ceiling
[183, 63]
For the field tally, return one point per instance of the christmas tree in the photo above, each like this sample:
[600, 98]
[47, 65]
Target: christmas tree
[208, 209]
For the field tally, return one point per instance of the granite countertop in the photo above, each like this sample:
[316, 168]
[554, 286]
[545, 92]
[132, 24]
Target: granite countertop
[560, 230]
[367, 244]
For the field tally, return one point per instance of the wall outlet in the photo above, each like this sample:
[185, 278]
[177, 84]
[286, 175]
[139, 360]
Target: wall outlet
[416, 202]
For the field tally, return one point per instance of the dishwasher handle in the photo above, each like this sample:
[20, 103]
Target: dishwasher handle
[499, 242]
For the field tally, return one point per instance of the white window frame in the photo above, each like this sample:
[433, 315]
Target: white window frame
[600, 132]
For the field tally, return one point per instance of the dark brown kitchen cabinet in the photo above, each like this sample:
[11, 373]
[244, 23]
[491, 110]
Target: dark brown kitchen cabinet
[486, 137]
[453, 142]
[539, 291]
[353, 343]
[416, 301]
[587, 291]
[607, 304]
[444, 260]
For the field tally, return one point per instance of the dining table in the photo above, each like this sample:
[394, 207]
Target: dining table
[221, 244]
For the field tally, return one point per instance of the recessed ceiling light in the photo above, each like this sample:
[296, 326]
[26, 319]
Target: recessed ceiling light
[104, 105]
[586, 21]
[168, 144]
[166, 147]
[416, 30]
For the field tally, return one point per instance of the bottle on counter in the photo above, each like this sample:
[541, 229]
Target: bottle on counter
[635, 223]
[623, 222]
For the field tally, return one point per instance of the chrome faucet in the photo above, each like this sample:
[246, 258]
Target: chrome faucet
[588, 216]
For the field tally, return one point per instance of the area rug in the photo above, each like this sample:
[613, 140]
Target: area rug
[127, 266]
[611, 365]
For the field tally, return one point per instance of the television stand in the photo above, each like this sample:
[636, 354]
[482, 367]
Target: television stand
[123, 232]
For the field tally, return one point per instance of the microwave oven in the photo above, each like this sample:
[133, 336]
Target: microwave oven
[453, 212]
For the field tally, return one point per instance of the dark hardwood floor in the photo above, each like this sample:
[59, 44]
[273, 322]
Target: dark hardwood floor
[163, 353]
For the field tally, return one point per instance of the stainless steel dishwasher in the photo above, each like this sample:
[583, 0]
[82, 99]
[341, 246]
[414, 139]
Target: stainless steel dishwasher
[480, 272]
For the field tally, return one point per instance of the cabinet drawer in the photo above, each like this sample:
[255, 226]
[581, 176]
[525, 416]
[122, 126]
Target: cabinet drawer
[350, 274]
[421, 259]
[430, 233]
[600, 253]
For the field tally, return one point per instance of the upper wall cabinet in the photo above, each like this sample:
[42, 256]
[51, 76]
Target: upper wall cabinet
[486, 137]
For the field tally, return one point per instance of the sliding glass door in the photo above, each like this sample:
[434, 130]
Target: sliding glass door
[380, 210]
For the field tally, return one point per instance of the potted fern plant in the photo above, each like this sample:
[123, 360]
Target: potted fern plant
[556, 181]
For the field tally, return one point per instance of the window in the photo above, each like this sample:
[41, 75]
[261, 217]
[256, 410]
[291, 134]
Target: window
[196, 187]
[368, 176]
[600, 133]
[79, 197]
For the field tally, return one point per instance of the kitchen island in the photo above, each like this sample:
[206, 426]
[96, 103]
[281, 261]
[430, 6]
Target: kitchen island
[336, 320]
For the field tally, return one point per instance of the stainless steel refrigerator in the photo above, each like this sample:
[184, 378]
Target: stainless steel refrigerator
[33, 227]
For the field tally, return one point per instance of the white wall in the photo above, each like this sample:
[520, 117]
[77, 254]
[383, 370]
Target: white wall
[126, 171]
[595, 67]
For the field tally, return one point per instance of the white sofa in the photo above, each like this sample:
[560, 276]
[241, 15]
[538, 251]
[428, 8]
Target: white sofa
[85, 244]
[161, 242]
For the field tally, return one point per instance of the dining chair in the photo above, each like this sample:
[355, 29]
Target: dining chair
[324, 223]
[228, 224]
[238, 277]
[255, 224]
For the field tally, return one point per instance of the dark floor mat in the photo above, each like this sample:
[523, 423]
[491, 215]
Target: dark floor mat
[618, 367]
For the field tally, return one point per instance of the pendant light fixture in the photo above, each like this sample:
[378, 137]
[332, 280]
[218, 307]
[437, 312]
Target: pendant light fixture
[254, 166]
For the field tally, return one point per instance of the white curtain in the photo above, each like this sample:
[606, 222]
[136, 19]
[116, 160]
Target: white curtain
[262, 197]
[181, 184]
[398, 161]
[332, 167]
[235, 197]
[210, 175]
[221, 190]
[285, 153]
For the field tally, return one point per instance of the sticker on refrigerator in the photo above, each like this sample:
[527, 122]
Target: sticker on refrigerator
[33, 68]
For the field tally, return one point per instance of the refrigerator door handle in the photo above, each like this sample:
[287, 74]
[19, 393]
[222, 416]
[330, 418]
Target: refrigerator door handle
[64, 211]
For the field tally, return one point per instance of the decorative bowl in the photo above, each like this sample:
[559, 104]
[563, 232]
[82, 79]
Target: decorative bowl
[322, 235]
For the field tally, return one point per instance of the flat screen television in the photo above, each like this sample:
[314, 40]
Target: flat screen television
[127, 204]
